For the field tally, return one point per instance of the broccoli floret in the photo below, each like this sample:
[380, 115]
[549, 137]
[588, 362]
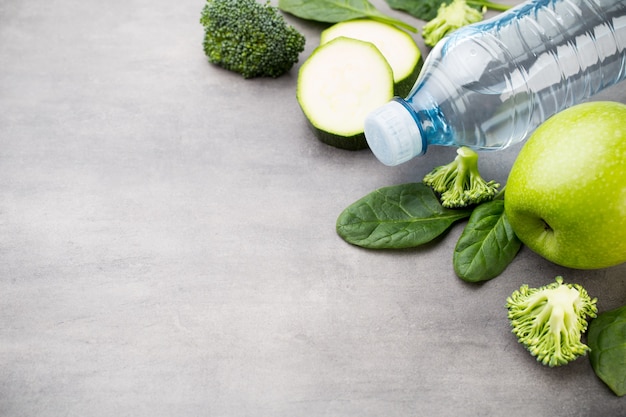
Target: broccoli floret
[550, 320]
[449, 18]
[459, 183]
[250, 38]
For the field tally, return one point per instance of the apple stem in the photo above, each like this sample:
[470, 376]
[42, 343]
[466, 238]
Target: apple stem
[546, 226]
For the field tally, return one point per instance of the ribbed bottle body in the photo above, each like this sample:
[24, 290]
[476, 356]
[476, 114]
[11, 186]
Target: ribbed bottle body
[489, 85]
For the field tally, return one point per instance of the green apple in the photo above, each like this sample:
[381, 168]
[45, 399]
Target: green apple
[566, 193]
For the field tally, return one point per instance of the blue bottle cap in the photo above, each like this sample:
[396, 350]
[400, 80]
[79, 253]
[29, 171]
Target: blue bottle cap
[393, 135]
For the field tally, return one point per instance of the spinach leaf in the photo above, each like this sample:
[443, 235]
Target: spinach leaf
[334, 11]
[421, 9]
[607, 340]
[427, 9]
[487, 245]
[399, 216]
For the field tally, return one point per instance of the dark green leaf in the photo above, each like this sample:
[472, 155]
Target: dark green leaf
[607, 340]
[427, 9]
[487, 245]
[400, 216]
[421, 9]
[334, 11]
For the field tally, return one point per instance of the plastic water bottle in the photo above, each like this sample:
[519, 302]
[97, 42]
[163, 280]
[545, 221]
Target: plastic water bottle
[490, 84]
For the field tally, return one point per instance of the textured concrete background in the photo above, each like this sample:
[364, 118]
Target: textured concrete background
[167, 246]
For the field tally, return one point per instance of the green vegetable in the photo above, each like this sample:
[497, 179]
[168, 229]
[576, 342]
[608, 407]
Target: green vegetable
[427, 9]
[400, 216]
[460, 183]
[335, 11]
[249, 38]
[550, 320]
[489, 5]
[487, 245]
[607, 340]
[421, 9]
[338, 85]
[450, 17]
[397, 46]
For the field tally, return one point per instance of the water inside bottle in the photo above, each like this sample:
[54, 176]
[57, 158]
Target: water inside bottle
[511, 74]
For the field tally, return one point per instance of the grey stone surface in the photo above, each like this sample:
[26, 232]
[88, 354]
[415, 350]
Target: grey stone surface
[167, 246]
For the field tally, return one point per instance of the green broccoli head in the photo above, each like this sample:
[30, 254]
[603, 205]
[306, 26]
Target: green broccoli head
[250, 38]
[550, 320]
[459, 183]
[449, 18]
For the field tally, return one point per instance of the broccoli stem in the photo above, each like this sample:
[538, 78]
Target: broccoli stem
[550, 320]
[459, 183]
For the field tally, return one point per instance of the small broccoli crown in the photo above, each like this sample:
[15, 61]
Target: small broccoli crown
[450, 17]
[549, 321]
[459, 183]
[250, 38]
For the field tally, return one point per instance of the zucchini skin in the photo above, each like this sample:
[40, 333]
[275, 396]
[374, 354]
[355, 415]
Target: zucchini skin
[403, 87]
[355, 142]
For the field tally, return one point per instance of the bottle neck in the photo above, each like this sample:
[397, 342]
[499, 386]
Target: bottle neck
[431, 122]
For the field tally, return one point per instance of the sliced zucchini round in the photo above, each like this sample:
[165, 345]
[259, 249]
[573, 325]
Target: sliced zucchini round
[396, 45]
[340, 83]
